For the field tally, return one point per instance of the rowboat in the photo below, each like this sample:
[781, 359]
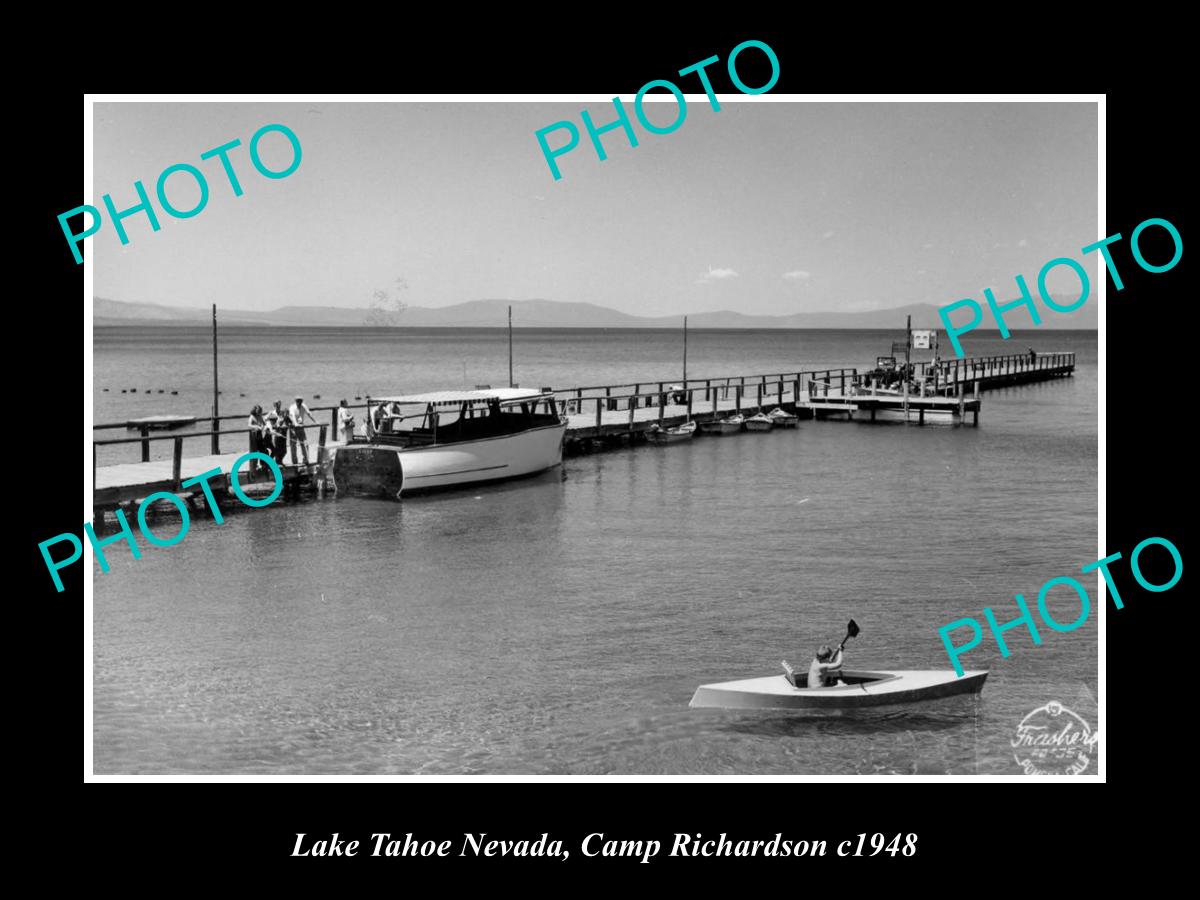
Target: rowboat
[784, 419]
[727, 425]
[674, 435]
[450, 439]
[760, 422]
[859, 689]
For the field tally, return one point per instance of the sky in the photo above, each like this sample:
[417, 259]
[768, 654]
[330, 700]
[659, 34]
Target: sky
[767, 208]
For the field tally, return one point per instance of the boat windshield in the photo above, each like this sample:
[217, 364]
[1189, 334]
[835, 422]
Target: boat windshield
[460, 420]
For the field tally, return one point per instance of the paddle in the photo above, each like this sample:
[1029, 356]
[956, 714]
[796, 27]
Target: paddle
[851, 631]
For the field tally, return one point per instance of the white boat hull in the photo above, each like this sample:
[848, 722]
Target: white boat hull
[672, 435]
[758, 425]
[878, 689]
[384, 470]
[720, 427]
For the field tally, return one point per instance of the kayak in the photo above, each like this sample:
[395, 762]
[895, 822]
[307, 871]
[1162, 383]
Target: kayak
[859, 689]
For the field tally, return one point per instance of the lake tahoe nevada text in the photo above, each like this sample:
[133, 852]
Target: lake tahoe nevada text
[597, 844]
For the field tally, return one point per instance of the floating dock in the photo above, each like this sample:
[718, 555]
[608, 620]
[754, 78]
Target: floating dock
[609, 415]
[159, 423]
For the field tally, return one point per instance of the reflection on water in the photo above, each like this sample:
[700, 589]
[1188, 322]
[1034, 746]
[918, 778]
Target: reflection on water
[560, 624]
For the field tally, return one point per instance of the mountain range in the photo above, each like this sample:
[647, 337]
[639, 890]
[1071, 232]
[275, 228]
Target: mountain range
[554, 314]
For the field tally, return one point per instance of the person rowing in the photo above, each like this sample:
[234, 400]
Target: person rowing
[827, 665]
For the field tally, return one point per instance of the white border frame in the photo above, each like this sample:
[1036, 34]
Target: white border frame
[90, 100]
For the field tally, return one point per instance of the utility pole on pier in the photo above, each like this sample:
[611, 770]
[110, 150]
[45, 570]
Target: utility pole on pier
[216, 404]
[685, 353]
[907, 363]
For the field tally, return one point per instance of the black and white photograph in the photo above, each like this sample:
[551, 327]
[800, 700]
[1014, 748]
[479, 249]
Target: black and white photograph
[680, 434]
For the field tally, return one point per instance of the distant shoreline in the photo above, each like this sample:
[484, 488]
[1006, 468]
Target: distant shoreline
[157, 323]
[527, 314]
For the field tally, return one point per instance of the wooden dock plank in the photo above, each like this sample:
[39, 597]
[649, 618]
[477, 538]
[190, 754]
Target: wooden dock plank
[157, 475]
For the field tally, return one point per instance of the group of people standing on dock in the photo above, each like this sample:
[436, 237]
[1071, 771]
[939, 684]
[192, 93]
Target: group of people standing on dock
[279, 431]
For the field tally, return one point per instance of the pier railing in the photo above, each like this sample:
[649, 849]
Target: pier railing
[725, 382]
[756, 392]
[951, 372]
[682, 402]
[749, 394]
[177, 447]
[580, 398]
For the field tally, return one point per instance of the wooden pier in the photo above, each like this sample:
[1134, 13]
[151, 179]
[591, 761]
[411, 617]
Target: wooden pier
[991, 372]
[951, 388]
[117, 485]
[607, 415]
[112, 484]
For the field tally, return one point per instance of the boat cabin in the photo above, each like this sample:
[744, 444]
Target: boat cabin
[446, 417]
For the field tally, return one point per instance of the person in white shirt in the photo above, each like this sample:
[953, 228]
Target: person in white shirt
[296, 412]
[393, 417]
[346, 421]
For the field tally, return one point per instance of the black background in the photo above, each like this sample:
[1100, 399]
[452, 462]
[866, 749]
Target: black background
[967, 831]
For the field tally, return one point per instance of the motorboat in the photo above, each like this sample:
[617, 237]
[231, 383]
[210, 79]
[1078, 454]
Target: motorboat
[674, 435]
[444, 439]
[760, 422]
[783, 419]
[855, 689]
[727, 425]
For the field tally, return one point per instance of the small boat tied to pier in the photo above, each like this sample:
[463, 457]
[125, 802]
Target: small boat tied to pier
[784, 419]
[421, 442]
[760, 422]
[727, 425]
[675, 435]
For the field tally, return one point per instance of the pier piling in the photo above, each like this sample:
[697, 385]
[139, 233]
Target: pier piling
[176, 464]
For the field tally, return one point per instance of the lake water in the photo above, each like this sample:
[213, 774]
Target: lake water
[560, 624]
